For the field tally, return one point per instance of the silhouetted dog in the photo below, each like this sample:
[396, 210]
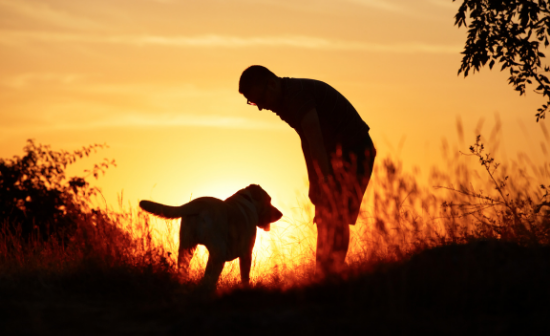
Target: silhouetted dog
[227, 228]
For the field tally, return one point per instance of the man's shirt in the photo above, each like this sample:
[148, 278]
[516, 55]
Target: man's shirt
[340, 123]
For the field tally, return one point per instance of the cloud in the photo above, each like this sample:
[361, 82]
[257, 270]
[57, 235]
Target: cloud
[379, 4]
[29, 79]
[139, 120]
[43, 12]
[445, 3]
[223, 41]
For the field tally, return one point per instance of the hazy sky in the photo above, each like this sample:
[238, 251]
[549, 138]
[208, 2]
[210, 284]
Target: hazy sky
[157, 81]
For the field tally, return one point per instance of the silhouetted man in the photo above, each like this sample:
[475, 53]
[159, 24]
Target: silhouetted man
[337, 148]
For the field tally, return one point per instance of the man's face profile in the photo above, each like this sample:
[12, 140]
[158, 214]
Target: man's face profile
[262, 96]
[256, 96]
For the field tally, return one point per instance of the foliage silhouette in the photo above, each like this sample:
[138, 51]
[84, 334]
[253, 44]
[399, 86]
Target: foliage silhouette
[508, 32]
[36, 196]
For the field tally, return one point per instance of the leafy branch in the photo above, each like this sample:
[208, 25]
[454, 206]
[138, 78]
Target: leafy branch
[509, 32]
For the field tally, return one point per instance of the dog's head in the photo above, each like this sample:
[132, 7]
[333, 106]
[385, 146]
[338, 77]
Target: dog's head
[267, 213]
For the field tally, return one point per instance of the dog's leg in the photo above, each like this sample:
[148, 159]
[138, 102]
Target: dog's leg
[188, 244]
[214, 268]
[245, 262]
[184, 259]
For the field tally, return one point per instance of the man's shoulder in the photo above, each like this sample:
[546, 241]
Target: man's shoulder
[305, 86]
[297, 98]
[302, 81]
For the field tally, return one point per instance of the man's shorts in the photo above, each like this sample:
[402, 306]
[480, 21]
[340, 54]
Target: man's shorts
[340, 197]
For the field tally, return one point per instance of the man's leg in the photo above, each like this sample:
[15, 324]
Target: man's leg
[332, 244]
[324, 248]
[341, 245]
[352, 175]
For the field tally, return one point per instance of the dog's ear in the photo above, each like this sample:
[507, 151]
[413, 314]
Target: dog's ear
[256, 192]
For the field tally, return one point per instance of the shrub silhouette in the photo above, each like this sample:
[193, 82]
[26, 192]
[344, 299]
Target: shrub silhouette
[38, 199]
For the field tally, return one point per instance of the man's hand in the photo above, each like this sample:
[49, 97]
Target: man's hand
[314, 137]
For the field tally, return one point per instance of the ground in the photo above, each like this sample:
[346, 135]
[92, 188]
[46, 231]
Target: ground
[483, 287]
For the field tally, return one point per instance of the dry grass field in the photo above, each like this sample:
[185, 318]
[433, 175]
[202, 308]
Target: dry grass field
[470, 254]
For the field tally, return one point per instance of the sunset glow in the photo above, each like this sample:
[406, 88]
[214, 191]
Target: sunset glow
[157, 81]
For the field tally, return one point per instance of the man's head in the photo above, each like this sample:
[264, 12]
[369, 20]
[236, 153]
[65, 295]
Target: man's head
[260, 86]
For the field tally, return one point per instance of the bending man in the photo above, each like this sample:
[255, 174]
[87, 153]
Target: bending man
[337, 148]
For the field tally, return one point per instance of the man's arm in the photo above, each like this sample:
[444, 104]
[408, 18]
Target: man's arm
[312, 130]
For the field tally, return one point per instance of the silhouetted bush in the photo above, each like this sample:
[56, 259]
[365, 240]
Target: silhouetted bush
[37, 198]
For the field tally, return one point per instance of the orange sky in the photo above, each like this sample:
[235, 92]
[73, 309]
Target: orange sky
[157, 81]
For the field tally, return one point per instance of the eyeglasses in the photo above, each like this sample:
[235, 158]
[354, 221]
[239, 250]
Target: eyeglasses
[262, 100]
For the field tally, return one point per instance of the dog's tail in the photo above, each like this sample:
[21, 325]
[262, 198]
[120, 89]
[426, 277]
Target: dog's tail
[161, 210]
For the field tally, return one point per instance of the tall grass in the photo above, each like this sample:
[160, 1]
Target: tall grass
[110, 254]
[468, 199]
[471, 197]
